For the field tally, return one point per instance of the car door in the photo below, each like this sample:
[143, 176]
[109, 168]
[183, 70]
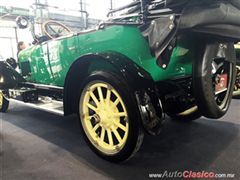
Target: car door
[62, 52]
[39, 65]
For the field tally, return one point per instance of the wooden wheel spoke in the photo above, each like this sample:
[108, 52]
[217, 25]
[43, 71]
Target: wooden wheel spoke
[102, 134]
[92, 95]
[116, 102]
[108, 94]
[118, 124]
[92, 107]
[100, 93]
[117, 136]
[120, 114]
[110, 138]
[96, 127]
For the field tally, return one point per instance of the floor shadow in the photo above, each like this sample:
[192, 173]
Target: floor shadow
[180, 146]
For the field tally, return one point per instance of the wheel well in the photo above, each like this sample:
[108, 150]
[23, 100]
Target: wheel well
[107, 61]
[79, 70]
[137, 79]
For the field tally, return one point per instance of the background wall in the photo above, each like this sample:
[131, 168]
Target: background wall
[67, 12]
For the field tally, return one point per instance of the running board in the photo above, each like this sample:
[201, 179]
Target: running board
[51, 106]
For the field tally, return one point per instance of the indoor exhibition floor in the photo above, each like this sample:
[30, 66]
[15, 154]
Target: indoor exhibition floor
[39, 145]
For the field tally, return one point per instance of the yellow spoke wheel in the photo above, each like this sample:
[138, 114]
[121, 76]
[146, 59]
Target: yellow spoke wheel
[104, 117]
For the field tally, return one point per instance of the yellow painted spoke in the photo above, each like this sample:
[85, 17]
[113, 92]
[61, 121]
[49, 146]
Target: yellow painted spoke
[117, 136]
[118, 124]
[120, 114]
[96, 127]
[110, 139]
[108, 94]
[102, 134]
[116, 102]
[94, 98]
[100, 93]
[91, 107]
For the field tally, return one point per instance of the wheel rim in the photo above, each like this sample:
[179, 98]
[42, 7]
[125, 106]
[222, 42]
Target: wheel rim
[221, 78]
[1, 99]
[104, 117]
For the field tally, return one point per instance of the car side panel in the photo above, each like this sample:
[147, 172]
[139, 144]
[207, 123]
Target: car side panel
[126, 40]
[61, 53]
[36, 58]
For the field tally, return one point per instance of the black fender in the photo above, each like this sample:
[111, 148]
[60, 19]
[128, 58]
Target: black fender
[9, 77]
[139, 80]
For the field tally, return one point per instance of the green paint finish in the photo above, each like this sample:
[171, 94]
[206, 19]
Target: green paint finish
[51, 60]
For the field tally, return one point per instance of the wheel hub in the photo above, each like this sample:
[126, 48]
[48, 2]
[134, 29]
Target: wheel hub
[106, 113]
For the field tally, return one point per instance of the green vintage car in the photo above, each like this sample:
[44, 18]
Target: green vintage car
[124, 75]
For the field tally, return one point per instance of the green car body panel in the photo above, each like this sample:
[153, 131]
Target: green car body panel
[51, 60]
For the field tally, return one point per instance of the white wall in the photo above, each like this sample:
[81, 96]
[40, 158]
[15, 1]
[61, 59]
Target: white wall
[8, 46]
[8, 43]
[98, 9]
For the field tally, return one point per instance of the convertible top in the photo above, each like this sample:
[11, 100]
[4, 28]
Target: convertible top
[219, 17]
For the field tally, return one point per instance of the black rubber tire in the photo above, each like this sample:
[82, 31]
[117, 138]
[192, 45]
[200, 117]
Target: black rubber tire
[236, 93]
[5, 104]
[135, 133]
[186, 117]
[203, 83]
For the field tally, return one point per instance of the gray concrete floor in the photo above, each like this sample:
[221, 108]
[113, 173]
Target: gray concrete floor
[39, 145]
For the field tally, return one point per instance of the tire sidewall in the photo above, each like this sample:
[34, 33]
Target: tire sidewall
[202, 75]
